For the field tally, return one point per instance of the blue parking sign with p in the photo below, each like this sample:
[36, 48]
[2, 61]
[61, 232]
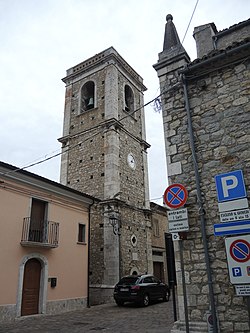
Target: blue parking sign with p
[236, 271]
[230, 186]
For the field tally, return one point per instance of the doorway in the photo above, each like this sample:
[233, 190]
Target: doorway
[37, 220]
[158, 270]
[31, 287]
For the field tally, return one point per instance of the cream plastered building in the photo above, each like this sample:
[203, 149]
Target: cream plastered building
[44, 245]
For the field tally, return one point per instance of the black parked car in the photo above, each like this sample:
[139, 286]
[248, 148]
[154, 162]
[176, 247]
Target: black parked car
[140, 289]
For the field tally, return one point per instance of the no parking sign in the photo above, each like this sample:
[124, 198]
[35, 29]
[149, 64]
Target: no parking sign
[238, 258]
[175, 196]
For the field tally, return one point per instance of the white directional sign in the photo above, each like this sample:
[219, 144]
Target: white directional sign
[233, 205]
[175, 236]
[238, 258]
[177, 215]
[178, 226]
[178, 220]
[243, 290]
[235, 215]
[232, 228]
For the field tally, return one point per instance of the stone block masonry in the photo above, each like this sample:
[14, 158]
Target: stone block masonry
[218, 88]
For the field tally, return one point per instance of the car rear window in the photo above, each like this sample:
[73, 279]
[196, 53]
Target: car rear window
[129, 280]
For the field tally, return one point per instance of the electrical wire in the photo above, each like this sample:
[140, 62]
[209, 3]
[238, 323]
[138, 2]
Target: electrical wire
[190, 21]
[50, 157]
[156, 99]
[82, 142]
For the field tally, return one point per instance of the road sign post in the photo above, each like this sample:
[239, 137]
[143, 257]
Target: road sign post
[175, 196]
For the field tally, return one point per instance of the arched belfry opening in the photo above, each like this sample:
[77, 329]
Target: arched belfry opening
[88, 96]
[129, 99]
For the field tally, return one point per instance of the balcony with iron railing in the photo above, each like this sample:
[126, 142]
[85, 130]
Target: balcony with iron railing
[40, 233]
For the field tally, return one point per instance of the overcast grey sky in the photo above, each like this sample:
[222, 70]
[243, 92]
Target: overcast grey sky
[40, 39]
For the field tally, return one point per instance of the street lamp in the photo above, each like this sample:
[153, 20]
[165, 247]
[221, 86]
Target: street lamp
[114, 221]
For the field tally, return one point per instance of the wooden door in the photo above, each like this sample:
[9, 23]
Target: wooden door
[31, 287]
[158, 270]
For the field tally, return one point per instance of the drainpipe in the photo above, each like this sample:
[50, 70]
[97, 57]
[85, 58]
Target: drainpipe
[88, 303]
[201, 208]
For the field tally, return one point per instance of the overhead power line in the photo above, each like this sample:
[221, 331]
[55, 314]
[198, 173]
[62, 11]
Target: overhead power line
[190, 21]
[81, 142]
[157, 107]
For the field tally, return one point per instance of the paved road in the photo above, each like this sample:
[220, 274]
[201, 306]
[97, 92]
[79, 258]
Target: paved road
[156, 318]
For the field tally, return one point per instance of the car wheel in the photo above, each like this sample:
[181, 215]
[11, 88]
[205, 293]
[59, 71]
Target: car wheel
[119, 303]
[145, 300]
[167, 296]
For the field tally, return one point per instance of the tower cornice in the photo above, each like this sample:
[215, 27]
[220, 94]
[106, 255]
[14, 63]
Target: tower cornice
[101, 60]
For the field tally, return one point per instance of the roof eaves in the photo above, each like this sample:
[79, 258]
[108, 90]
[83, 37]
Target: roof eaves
[215, 54]
[232, 28]
[13, 172]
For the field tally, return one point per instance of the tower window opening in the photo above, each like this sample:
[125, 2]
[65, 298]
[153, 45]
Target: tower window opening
[88, 96]
[128, 99]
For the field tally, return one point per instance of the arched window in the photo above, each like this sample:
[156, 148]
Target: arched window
[87, 96]
[128, 99]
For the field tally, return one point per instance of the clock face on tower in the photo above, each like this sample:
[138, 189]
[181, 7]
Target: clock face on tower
[131, 161]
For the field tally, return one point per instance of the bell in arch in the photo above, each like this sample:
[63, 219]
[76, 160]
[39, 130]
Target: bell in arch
[126, 106]
[90, 103]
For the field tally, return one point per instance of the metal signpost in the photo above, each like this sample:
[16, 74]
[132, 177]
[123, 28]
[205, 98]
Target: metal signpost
[175, 196]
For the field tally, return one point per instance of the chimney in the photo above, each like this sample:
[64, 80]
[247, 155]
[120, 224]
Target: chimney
[203, 36]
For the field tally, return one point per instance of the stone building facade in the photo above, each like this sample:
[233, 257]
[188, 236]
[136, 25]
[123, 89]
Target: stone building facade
[206, 116]
[105, 154]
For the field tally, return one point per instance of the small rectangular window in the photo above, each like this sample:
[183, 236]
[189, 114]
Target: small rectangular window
[81, 233]
[156, 229]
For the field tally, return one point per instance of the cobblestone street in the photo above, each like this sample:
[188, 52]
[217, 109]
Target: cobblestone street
[156, 318]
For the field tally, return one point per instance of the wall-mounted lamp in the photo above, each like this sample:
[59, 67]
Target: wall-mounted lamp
[114, 221]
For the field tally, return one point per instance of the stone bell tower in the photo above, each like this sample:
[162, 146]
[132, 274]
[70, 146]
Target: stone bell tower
[105, 155]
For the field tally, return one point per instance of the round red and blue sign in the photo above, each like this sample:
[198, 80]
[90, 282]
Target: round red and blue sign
[175, 196]
[240, 250]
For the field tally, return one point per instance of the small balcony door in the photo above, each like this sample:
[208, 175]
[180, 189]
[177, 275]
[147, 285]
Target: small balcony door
[37, 221]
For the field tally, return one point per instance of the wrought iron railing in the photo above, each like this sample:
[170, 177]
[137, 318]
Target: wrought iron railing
[40, 233]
